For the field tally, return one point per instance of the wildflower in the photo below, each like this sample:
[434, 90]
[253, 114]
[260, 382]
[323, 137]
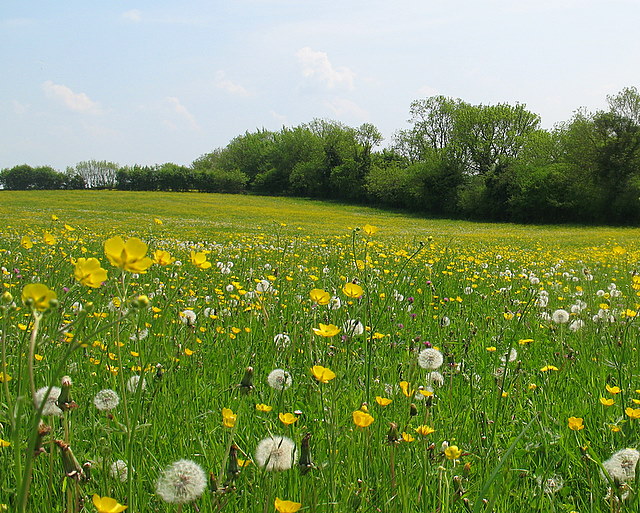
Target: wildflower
[129, 255]
[283, 506]
[369, 230]
[39, 297]
[119, 470]
[162, 257]
[606, 402]
[50, 407]
[613, 389]
[560, 316]
[404, 386]
[424, 430]
[106, 400]
[183, 481]
[320, 296]
[4, 377]
[548, 368]
[26, 242]
[352, 290]
[88, 272]
[435, 378]
[632, 413]
[264, 407]
[199, 259]
[282, 340]
[4, 443]
[279, 379]
[134, 382]
[406, 437]
[353, 327]
[362, 419]
[452, 452]
[383, 401]
[228, 418]
[326, 330]
[430, 358]
[107, 504]
[510, 356]
[551, 484]
[576, 423]
[49, 239]
[322, 374]
[621, 467]
[287, 418]
[188, 317]
[275, 453]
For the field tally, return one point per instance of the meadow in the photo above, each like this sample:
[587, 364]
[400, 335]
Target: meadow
[253, 354]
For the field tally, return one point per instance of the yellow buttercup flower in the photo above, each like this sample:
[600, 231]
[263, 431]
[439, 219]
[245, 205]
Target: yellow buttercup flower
[4, 443]
[613, 390]
[322, 374]
[452, 452]
[606, 402]
[130, 255]
[283, 506]
[352, 290]
[404, 386]
[88, 272]
[369, 230]
[383, 401]
[107, 505]
[287, 418]
[4, 377]
[320, 296]
[26, 242]
[228, 418]
[199, 259]
[576, 423]
[633, 413]
[49, 239]
[326, 330]
[162, 257]
[264, 407]
[362, 419]
[406, 437]
[38, 296]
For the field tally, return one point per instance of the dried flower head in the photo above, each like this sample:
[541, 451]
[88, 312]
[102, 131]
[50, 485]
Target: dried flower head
[279, 379]
[50, 401]
[621, 467]
[183, 481]
[275, 453]
[106, 400]
[430, 358]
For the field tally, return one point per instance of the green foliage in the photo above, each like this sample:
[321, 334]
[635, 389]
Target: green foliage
[25, 177]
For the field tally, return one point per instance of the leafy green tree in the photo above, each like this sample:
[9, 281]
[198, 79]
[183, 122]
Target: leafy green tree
[24, 177]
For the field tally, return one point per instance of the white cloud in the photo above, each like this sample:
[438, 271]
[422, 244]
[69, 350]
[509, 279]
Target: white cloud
[317, 65]
[344, 108]
[134, 15]
[183, 112]
[78, 102]
[222, 82]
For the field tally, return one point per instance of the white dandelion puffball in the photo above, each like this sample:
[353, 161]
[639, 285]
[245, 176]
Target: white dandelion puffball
[183, 481]
[353, 327]
[134, 382]
[50, 407]
[282, 340]
[510, 356]
[621, 467]
[560, 316]
[106, 400]
[279, 379]
[188, 317]
[119, 470]
[435, 378]
[430, 358]
[275, 453]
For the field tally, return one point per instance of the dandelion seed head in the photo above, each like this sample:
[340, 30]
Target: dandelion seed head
[183, 481]
[621, 467]
[119, 470]
[275, 453]
[50, 407]
[430, 358]
[106, 400]
[279, 379]
[133, 382]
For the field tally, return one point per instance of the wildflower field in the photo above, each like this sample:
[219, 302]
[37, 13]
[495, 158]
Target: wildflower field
[186, 352]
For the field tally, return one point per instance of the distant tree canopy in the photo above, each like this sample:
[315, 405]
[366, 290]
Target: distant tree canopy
[490, 162]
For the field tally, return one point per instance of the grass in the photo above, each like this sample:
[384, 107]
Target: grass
[482, 294]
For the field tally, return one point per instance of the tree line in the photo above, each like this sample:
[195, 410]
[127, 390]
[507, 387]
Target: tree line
[458, 160]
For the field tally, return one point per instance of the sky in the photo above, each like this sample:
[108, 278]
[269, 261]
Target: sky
[153, 81]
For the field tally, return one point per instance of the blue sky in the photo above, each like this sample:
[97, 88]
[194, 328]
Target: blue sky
[155, 81]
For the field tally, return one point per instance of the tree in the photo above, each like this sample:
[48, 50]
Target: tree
[24, 177]
[97, 174]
